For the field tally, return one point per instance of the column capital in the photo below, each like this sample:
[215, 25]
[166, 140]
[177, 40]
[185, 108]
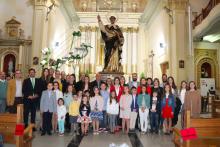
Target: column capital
[134, 29]
[176, 4]
[83, 28]
[125, 1]
[94, 1]
[93, 28]
[124, 29]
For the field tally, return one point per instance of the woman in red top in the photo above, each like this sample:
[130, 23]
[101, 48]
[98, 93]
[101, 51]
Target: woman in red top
[143, 82]
[119, 90]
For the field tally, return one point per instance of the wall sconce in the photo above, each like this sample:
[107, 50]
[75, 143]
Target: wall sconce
[84, 5]
[181, 63]
[134, 6]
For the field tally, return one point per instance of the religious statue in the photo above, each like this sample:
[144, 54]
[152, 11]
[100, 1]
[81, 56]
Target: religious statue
[21, 34]
[10, 66]
[113, 38]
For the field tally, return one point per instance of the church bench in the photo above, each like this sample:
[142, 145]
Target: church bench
[215, 108]
[207, 129]
[7, 128]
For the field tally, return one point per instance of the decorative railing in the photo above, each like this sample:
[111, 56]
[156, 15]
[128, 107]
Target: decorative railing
[205, 12]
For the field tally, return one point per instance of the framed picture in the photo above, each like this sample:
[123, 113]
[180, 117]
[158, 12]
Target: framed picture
[35, 61]
[109, 5]
[181, 64]
[167, 65]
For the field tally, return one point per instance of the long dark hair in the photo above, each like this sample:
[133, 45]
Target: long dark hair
[182, 87]
[118, 80]
[111, 98]
[73, 75]
[84, 84]
[146, 89]
[164, 92]
[194, 84]
[43, 76]
[87, 103]
[107, 82]
[173, 84]
[93, 93]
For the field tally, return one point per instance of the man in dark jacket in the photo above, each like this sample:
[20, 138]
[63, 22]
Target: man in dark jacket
[97, 82]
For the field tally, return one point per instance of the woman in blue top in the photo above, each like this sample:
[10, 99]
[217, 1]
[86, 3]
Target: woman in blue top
[144, 105]
[167, 100]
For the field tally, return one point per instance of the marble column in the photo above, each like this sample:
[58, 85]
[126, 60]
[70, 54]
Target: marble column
[134, 31]
[93, 30]
[83, 30]
[94, 5]
[125, 50]
[20, 55]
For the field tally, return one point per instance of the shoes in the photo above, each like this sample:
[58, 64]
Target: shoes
[171, 131]
[105, 130]
[161, 127]
[67, 130]
[97, 132]
[56, 131]
[77, 133]
[52, 131]
[61, 134]
[156, 132]
[86, 134]
[123, 132]
[100, 130]
[41, 129]
[71, 133]
[151, 131]
[42, 134]
[143, 133]
[34, 129]
[126, 133]
[82, 134]
[94, 132]
[49, 133]
[136, 127]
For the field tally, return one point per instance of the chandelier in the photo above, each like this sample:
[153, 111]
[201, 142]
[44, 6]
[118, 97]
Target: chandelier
[109, 3]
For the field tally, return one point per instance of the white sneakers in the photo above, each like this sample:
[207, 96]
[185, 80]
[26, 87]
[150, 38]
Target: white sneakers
[95, 132]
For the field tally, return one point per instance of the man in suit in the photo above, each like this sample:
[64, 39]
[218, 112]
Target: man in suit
[134, 81]
[31, 90]
[97, 82]
[14, 92]
[51, 72]
[63, 81]
[79, 84]
[48, 107]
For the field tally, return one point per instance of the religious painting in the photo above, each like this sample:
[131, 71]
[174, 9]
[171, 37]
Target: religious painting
[181, 64]
[167, 65]
[109, 5]
[206, 70]
[35, 61]
[9, 64]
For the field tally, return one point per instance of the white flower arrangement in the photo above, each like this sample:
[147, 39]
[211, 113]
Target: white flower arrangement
[76, 30]
[43, 62]
[46, 51]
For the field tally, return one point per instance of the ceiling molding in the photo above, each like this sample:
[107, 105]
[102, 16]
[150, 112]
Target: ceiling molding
[149, 10]
[71, 12]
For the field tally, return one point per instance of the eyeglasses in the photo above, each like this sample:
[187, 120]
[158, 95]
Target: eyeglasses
[55, 85]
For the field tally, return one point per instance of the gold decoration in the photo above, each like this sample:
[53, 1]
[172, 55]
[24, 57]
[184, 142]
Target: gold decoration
[113, 63]
[12, 33]
[124, 29]
[134, 68]
[82, 67]
[134, 6]
[14, 18]
[213, 69]
[27, 71]
[29, 37]
[93, 28]
[135, 30]
[83, 28]
[206, 52]
[19, 66]
[176, 4]
[84, 5]
[109, 3]
[124, 68]
[10, 48]
[92, 68]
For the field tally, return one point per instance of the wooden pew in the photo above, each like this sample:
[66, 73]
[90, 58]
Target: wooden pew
[215, 108]
[7, 128]
[207, 129]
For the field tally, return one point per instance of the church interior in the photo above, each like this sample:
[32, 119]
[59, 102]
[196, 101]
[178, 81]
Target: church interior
[179, 38]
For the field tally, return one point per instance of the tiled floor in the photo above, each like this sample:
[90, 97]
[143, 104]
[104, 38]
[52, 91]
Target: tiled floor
[104, 139]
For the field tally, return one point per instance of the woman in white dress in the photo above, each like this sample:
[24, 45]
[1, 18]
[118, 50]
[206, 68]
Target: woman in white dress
[59, 94]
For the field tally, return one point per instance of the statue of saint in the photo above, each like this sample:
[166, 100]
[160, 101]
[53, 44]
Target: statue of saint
[113, 38]
[10, 66]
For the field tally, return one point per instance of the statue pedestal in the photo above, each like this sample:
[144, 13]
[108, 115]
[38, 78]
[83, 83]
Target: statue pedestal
[112, 75]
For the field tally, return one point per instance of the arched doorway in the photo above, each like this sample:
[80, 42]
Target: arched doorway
[9, 63]
[206, 70]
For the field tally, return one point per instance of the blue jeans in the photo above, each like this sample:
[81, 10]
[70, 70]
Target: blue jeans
[154, 120]
[118, 117]
[161, 120]
[2, 105]
[104, 122]
[61, 125]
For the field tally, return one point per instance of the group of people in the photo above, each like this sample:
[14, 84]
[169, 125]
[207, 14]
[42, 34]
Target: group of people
[67, 105]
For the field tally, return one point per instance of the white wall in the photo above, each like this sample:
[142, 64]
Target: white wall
[23, 10]
[157, 34]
